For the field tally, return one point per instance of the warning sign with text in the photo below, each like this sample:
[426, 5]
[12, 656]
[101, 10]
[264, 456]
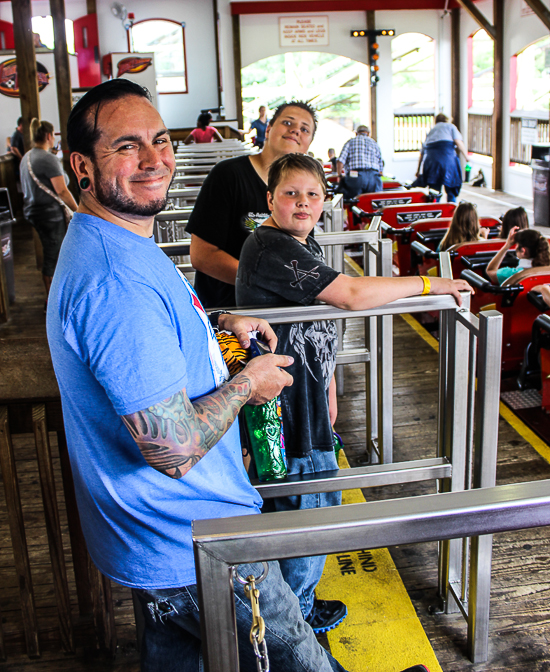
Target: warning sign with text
[299, 31]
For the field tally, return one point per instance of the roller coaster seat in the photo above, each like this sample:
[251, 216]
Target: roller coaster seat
[519, 313]
[391, 185]
[379, 200]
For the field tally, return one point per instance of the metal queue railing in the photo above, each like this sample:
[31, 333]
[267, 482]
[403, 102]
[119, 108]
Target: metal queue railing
[465, 465]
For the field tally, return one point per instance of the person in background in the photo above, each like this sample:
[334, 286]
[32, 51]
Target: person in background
[438, 165]
[260, 126]
[464, 228]
[17, 146]
[203, 133]
[361, 159]
[47, 203]
[332, 158]
[233, 201]
[532, 250]
[516, 217]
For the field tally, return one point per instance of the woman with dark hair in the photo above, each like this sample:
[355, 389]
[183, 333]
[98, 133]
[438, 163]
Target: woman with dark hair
[48, 204]
[532, 250]
[464, 228]
[516, 217]
[203, 133]
[439, 165]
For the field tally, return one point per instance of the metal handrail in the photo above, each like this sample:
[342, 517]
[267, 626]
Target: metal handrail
[222, 543]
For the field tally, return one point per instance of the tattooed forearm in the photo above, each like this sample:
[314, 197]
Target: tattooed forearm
[174, 434]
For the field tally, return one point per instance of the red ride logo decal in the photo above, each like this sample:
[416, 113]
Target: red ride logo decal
[9, 84]
[132, 65]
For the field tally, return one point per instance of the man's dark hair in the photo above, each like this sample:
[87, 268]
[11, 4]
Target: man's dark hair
[296, 103]
[19, 121]
[294, 162]
[82, 130]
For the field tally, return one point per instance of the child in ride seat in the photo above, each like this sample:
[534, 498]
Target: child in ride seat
[515, 217]
[531, 249]
[464, 228]
[281, 264]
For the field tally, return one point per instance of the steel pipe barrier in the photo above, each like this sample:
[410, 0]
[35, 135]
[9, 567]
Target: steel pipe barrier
[467, 431]
[221, 544]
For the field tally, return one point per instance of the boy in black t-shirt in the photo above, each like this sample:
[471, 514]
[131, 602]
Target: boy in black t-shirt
[282, 264]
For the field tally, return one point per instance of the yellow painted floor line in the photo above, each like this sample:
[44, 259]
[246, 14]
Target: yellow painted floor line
[382, 632]
[542, 448]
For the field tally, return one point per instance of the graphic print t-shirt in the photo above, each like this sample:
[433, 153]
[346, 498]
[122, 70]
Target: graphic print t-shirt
[277, 270]
[231, 204]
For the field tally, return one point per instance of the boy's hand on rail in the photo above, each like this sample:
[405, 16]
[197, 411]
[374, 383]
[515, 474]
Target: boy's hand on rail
[266, 377]
[446, 286]
[240, 325]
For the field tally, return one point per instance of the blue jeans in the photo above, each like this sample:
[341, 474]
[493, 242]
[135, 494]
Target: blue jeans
[171, 638]
[367, 181]
[303, 574]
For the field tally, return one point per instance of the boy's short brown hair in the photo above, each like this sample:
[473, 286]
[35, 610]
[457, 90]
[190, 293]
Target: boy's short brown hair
[294, 163]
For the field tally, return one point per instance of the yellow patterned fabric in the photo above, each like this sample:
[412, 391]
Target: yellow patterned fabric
[234, 355]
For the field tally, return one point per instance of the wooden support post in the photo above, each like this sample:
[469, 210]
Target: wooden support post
[371, 25]
[53, 526]
[62, 79]
[237, 66]
[216, 13]
[540, 10]
[4, 298]
[498, 110]
[2, 645]
[78, 544]
[455, 65]
[104, 617]
[26, 66]
[18, 538]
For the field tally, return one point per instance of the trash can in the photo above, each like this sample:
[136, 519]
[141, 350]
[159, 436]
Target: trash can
[540, 163]
[6, 242]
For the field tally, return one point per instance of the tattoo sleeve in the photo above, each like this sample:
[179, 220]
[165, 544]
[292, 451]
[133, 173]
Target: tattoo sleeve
[174, 434]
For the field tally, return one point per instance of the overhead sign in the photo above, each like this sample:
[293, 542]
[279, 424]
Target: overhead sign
[303, 31]
[9, 84]
[529, 132]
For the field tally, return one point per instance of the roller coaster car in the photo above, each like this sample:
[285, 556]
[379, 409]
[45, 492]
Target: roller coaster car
[474, 256]
[519, 313]
[375, 202]
[398, 224]
[379, 200]
[535, 369]
[391, 185]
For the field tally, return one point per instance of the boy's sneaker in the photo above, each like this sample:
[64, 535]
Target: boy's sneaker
[416, 668]
[326, 615]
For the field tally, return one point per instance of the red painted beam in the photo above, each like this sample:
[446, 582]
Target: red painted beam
[293, 6]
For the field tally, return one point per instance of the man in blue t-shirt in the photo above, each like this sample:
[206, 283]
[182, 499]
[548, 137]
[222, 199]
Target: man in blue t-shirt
[151, 421]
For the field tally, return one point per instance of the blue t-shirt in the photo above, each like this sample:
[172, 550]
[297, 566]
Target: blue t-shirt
[261, 127]
[126, 331]
[507, 272]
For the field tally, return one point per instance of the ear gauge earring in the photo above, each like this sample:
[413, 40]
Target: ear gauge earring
[84, 183]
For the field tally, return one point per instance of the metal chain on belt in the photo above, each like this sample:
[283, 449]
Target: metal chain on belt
[257, 631]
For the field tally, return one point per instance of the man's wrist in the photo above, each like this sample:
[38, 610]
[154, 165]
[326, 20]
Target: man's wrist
[214, 318]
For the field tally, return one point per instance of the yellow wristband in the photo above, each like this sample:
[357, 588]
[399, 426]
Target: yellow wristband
[427, 285]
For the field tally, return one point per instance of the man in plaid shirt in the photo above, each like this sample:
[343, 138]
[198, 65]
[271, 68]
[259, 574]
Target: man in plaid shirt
[362, 160]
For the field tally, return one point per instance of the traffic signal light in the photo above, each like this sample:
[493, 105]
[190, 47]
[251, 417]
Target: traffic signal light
[373, 60]
[374, 56]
